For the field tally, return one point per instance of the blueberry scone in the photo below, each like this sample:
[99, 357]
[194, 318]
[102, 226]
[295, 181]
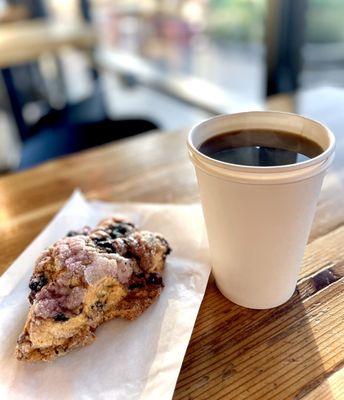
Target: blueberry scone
[87, 278]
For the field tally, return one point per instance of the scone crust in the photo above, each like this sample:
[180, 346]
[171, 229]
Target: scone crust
[87, 278]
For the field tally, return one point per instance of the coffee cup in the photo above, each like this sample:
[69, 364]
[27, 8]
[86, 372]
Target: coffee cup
[258, 219]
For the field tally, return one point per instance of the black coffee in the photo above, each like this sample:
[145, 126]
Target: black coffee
[258, 147]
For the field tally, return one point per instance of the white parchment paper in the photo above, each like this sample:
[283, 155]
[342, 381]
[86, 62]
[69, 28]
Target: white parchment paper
[140, 359]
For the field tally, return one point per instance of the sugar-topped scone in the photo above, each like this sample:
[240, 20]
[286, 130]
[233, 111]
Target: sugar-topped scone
[86, 278]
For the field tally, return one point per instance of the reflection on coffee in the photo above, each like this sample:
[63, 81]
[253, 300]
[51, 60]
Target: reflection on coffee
[258, 147]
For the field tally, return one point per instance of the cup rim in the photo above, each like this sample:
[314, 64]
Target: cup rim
[262, 169]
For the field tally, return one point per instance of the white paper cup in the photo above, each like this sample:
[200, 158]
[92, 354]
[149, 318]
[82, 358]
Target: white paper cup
[258, 218]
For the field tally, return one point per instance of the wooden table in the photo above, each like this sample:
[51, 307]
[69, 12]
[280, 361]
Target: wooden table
[189, 89]
[26, 40]
[295, 351]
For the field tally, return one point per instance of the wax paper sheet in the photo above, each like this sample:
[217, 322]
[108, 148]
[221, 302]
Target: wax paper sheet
[138, 359]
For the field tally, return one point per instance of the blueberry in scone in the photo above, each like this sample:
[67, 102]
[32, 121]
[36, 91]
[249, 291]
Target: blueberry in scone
[87, 278]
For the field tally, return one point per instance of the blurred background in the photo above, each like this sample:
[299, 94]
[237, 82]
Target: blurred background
[80, 73]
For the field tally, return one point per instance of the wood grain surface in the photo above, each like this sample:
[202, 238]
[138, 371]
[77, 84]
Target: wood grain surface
[26, 40]
[295, 351]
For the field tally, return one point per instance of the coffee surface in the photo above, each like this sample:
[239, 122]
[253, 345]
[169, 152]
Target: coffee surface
[260, 147]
